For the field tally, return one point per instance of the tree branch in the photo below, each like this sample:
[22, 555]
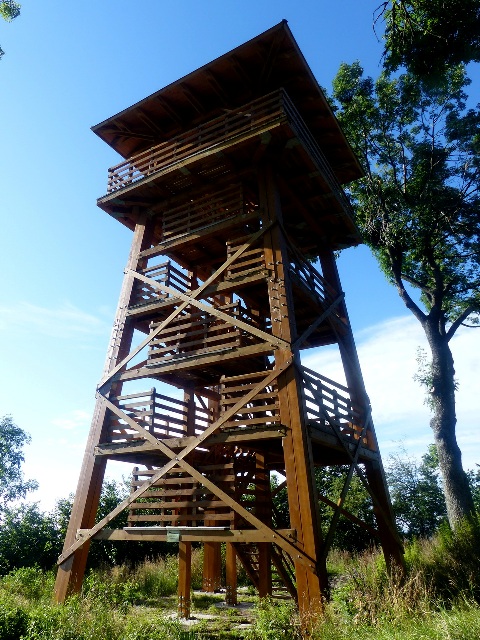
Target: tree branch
[460, 320]
[402, 292]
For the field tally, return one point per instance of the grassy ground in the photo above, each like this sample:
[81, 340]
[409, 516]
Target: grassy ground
[437, 599]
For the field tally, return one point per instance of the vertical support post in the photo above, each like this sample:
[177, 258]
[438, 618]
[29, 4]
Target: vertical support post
[212, 552]
[184, 578]
[304, 517]
[212, 565]
[391, 544]
[70, 573]
[189, 399]
[231, 574]
[263, 511]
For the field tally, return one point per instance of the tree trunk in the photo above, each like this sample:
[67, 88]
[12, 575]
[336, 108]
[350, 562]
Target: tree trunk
[457, 492]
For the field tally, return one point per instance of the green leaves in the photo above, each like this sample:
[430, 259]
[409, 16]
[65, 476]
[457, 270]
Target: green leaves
[12, 484]
[427, 37]
[418, 205]
[9, 10]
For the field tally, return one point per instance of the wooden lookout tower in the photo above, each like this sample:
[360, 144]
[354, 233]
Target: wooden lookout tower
[231, 185]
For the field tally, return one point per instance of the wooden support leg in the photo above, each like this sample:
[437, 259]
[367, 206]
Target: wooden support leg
[264, 569]
[263, 511]
[312, 586]
[212, 567]
[391, 544]
[70, 573]
[389, 538]
[184, 578]
[231, 571]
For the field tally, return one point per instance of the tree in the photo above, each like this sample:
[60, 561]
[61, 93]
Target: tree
[418, 208]
[13, 486]
[9, 10]
[349, 535]
[28, 537]
[427, 37]
[417, 497]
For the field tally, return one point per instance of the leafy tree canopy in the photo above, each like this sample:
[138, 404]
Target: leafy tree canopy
[429, 36]
[13, 486]
[417, 497]
[418, 205]
[9, 10]
[418, 208]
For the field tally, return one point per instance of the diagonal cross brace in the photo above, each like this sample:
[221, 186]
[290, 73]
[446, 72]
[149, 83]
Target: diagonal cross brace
[360, 473]
[177, 459]
[180, 308]
[338, 507]
[299, 341]
[268, 337]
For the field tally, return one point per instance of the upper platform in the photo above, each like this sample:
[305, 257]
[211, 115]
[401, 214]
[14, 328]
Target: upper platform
[211, 107]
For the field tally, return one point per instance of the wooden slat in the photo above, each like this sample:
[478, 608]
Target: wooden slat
[194, 294]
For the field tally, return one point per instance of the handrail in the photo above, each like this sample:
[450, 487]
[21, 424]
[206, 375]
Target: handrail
[256, 116]
[250, 118]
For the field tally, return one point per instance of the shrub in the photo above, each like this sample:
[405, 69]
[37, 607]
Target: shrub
[158, 579]
[13, 621]
[28, 582]
[275, 621]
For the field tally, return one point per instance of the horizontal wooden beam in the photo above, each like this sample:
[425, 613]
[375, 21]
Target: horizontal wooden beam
[232, 436]
[194, 361]
[221, 288]
[187, 534]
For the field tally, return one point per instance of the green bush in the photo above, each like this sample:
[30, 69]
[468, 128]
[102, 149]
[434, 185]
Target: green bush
[449, 562]
[28, 582]
[158, 579]
[275, 621]
[103, 590]
[13, 621]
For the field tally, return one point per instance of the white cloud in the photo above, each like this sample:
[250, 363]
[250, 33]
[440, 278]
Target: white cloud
[74, 420]
[64, 321]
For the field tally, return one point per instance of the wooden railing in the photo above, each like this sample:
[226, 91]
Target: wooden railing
[305, 273]
[262, 411]
[203, 211]
[161, 415]
[328, 405]
[163, 274]
[297, 123]
[250, 119]
[198, 332]
[180, 500]
[249, 263]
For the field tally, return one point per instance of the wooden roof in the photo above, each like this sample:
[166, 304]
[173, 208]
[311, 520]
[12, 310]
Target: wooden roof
[268, 62]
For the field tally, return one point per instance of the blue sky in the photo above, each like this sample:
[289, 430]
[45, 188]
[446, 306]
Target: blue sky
[69, 66]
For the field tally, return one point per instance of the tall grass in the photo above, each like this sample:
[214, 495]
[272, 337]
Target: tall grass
[437, 599]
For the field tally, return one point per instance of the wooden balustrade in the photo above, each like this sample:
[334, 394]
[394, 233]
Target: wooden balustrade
[304, 273]
[161, 415]
[250, 119]
[196, 332]
[163, 274]
[263, 410]
[328, 402]
[249, 263]
[203, 211]
[180, 500]
[298, 125]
